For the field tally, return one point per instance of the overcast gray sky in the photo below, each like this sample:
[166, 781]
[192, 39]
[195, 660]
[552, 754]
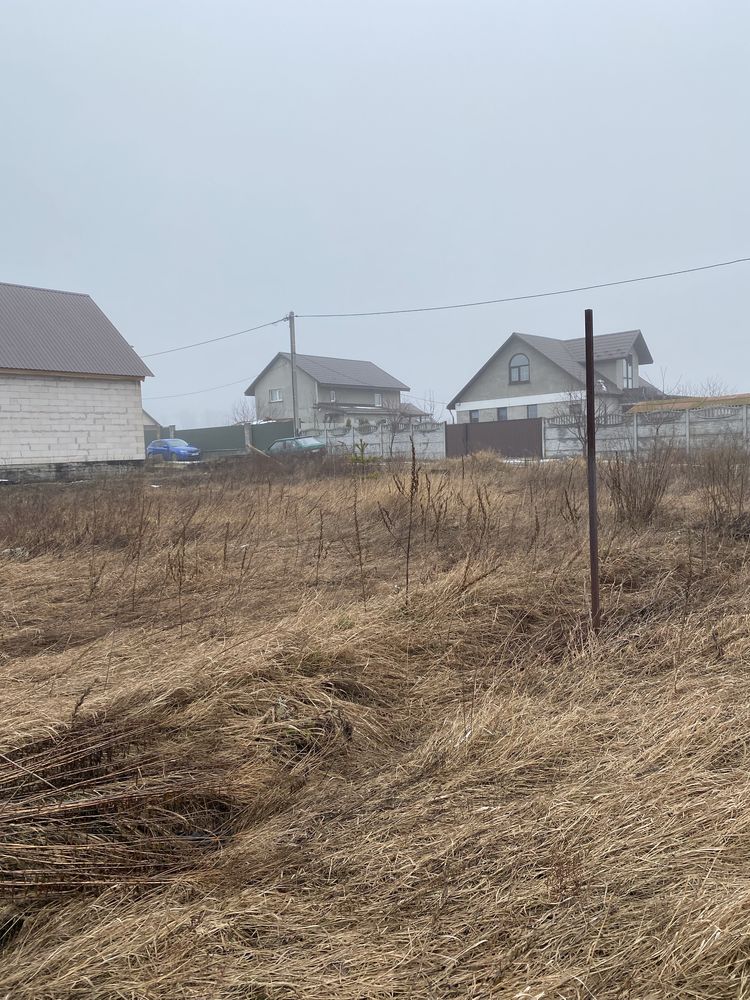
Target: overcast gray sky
[199, 167]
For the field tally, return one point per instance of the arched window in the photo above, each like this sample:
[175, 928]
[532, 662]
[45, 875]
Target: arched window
[519, 368]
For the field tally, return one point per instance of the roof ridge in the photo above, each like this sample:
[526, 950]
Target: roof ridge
[610, 333]
[42, 288]
[331, 357]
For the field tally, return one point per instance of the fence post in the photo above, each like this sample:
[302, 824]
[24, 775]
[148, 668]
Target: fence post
[591, 469]
[635, 433]
[744, 423]
[687, 431]
[544, 443]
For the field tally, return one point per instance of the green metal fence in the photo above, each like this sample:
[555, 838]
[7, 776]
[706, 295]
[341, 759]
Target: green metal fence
[230, 440]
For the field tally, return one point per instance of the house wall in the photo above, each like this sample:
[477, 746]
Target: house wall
[548, 409]
[51, 419]
[546, 379]
[364, 396]
[279, 376]
[614, 371]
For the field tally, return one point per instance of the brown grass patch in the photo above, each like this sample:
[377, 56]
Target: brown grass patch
[236, 761]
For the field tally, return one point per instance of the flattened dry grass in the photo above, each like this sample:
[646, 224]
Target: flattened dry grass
[236, 762]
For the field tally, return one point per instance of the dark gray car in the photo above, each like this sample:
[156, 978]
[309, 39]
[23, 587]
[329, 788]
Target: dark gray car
[297, 446]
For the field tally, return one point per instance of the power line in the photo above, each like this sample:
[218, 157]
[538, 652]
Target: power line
[420, 309]
[197, 392]
[522, 298]
[213, 340]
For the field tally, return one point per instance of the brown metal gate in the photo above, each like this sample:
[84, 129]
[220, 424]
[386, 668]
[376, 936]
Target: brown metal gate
[511, 438]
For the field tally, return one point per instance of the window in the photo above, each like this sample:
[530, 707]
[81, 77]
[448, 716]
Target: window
[502, 413]
[519, 368]
[473, 416]
[275, 396]
[333, 395]
[378, 398]
[627, 372]
[531, 410]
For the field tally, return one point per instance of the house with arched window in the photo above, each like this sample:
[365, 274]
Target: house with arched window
[531, 376]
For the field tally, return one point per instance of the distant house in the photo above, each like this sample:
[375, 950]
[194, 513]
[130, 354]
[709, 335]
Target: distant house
[70, 385]
[151, 423]
[331, 392]
[531, 376]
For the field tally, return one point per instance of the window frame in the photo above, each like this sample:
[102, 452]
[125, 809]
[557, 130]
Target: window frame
[333, 396]
[502, 410]
[378, 398]
[529, 408]
[519, 368]
[628, 380]
[473, 416]
[276, 399]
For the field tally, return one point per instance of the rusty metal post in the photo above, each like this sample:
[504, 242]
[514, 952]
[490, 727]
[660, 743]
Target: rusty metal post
[591, 467]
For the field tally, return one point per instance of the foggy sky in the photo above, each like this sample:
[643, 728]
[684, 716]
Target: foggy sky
[202, 167]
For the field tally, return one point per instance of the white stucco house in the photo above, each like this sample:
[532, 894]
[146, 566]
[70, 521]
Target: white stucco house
[70, 385]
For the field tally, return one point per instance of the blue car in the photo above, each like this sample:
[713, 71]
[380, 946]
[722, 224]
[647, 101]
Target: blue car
[173, 450]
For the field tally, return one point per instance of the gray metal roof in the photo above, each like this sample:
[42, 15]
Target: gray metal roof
[611, 346]
[338, 372]
[42, 329]
[555, 350]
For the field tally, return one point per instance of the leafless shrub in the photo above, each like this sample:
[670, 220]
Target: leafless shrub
[723, 477]
[637, 485]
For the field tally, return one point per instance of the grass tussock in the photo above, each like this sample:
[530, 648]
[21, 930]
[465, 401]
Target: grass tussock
[349, 736]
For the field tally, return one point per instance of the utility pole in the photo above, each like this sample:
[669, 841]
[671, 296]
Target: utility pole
[293, 353]
[591, 463]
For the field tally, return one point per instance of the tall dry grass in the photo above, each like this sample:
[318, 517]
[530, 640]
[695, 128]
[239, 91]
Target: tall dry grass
[276, 736]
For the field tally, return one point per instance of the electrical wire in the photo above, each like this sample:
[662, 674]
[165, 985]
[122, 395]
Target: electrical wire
[423, 309]
[523, 298]
[197, 392]
[213, 340]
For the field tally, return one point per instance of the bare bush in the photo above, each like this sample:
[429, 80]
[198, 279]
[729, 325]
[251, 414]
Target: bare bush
[723, 476]
[637, 485]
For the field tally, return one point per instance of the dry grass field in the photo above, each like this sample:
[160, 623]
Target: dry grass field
[268, 736]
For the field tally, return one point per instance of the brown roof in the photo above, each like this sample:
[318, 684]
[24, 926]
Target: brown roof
[691, 403]
[337, 372]
[43, 329]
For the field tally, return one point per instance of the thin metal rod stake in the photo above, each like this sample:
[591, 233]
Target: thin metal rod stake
[591, 469]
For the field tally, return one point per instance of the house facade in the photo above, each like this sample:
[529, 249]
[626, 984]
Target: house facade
[532, 376]
[331, 392]
[70, 385]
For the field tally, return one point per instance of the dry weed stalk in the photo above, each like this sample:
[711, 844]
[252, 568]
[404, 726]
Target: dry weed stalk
[252, 793]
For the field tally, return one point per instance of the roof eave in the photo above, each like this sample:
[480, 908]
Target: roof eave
[54, 373]
[644, 354]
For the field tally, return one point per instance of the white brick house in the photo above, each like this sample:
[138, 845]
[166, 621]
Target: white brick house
[70, 385]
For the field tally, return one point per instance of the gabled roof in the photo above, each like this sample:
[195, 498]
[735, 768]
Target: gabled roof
[337, 372]
[569, 355]
[555, 350]
[150, 421]
[611, 346]
[42, 329]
